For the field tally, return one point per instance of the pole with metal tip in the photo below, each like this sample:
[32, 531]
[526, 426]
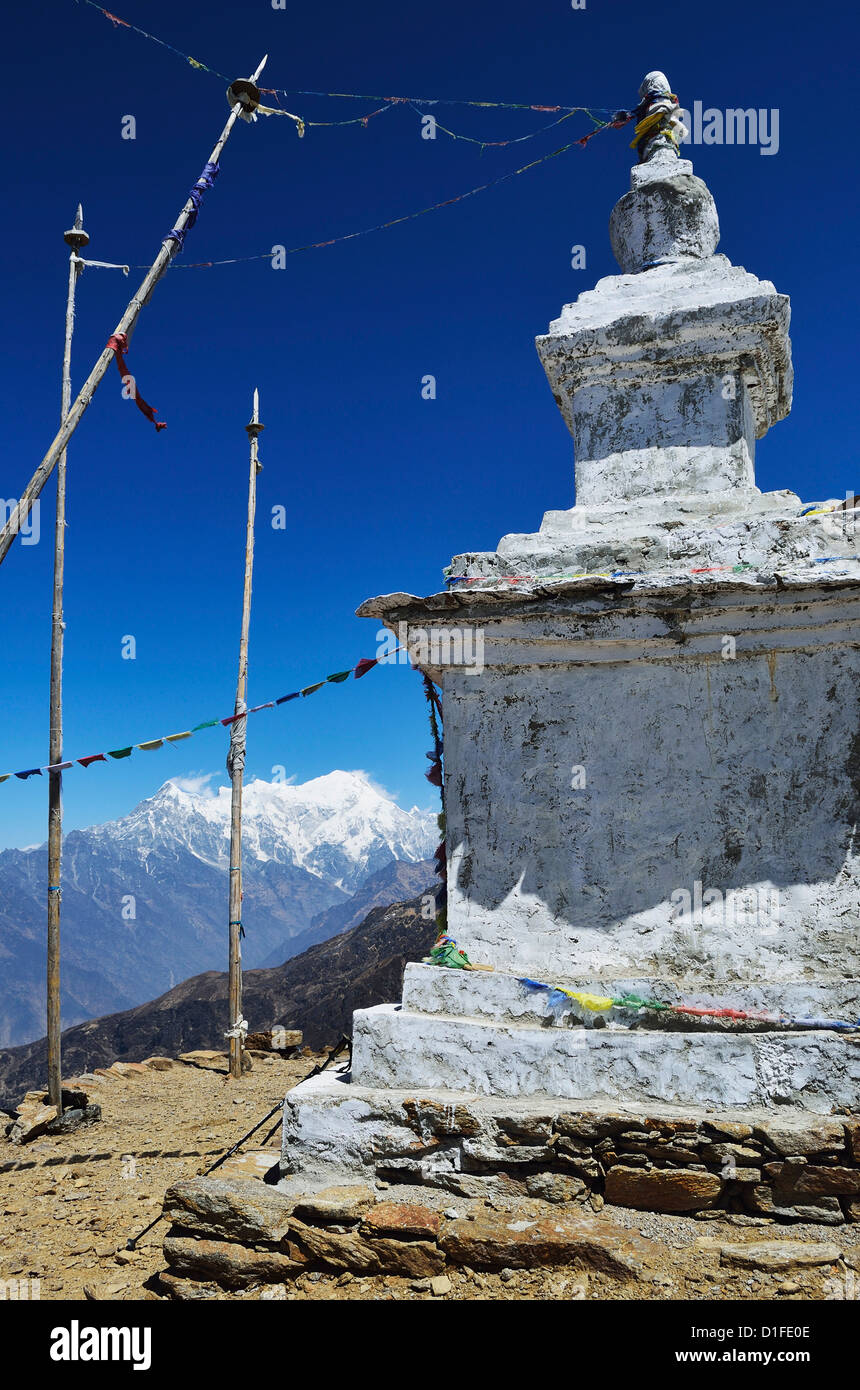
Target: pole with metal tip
[236, 764]
[76, 239]
[21, 511]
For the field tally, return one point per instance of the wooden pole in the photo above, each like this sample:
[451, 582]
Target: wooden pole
[236, 762]
[76, 238]
[21, 511]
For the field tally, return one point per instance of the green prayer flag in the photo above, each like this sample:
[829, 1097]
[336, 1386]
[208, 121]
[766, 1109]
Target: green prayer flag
[449, 955]
[339, 676]
[120, 752]
[207, 724]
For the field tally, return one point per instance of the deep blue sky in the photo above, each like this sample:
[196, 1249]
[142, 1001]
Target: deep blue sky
[381, 487]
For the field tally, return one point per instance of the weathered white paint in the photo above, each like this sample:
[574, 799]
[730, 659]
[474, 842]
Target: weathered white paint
[502, 998]
[394, 1048]
[653, 781]
[669, 214]
[740, 774]
[666, 378]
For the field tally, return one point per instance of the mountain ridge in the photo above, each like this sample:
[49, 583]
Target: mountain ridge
[317, 992]
[145, 896]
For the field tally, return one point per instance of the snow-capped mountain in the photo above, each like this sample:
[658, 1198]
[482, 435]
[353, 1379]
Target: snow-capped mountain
[340, 827]
[145, 896]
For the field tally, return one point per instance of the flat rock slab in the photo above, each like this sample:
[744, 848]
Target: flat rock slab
[212, 1061]
[346, 1203]
[811, 1135]
[555, 1187]
[498, 1241]
[417, 1258]
[277, 1040]
[227, 1262]
[408, 1220]
[255, 1164]
[238, 1210]
[774, 1254]
[662, 1189]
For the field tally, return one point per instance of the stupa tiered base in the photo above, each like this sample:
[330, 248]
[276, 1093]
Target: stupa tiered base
[783, 1163]
[475, 1085]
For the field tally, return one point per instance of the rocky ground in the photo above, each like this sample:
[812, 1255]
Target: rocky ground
[69, 1203]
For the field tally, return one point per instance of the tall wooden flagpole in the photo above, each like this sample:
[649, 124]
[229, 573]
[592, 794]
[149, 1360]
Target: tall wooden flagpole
[236, 764]
[75, 238]
[21, 511]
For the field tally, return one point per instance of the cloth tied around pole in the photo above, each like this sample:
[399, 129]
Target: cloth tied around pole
[119, 343]
[195, 198]
[236, 751]
[101, 265]
[247, 94]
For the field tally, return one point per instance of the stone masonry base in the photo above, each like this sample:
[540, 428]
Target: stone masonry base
[783, 1162]
[363, 1183]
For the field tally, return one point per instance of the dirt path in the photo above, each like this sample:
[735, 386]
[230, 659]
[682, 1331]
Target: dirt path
[68, 1209]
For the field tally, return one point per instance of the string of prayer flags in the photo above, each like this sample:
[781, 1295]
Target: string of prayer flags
[119, 343]
[392, 222]
[435, 775]
[516, 139]
[360, 669]
[595, 1003]
[619, 119]
[124, 24]
[388, 101]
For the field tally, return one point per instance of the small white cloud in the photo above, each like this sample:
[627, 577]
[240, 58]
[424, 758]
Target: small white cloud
[197, 784]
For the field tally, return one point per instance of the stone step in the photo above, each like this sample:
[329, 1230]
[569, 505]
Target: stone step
[394, 1047]
[496, 995]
